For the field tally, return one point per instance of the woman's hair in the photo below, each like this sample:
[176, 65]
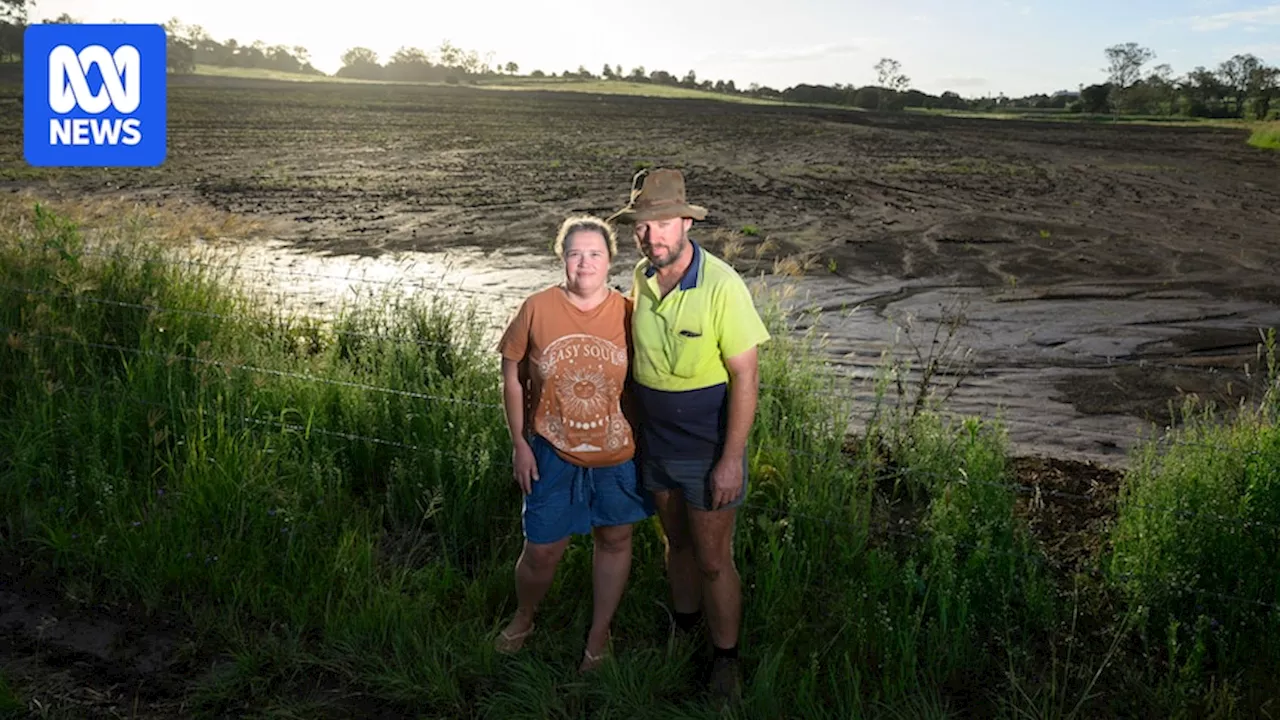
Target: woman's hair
[589, 223]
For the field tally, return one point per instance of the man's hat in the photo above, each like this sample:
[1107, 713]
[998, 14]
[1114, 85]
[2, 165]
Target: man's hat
[661, 196]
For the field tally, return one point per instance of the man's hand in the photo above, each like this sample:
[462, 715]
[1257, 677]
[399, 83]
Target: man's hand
[524, 466]
[726, 481]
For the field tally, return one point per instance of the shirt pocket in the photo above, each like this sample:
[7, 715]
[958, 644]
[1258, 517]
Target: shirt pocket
[690, 348]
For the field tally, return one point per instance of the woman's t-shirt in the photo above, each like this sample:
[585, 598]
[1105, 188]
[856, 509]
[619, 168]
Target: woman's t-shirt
[574, 367]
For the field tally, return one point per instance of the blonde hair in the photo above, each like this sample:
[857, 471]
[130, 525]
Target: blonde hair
[579, 223]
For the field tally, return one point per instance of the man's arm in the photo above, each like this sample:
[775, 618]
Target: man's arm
[744, 394]
[726, 477]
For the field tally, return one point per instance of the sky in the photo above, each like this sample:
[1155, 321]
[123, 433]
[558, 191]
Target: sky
[975, 47]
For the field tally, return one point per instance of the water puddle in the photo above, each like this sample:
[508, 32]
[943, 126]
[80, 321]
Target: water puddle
[1079, 371]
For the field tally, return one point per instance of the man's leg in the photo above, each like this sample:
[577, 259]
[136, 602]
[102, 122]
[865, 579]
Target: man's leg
[682, 563]
[712, 535]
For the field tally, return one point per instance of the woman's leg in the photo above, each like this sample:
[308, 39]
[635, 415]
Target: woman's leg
[611, 566]
[549, 519]
[535, 570]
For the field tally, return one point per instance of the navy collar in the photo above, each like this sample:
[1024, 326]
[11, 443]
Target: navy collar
[691, 275]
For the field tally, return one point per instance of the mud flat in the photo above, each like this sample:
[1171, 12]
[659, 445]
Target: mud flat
[1100, 272]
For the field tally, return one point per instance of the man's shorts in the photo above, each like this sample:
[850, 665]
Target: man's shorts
[690, 476]
[571, 500]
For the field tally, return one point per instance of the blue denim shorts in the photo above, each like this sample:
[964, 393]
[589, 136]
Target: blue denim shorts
[571, 500]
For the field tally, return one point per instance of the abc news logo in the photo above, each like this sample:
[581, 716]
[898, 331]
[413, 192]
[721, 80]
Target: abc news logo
[69, 89]
[94, 95]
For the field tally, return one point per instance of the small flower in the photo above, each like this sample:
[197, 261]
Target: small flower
[136, 523]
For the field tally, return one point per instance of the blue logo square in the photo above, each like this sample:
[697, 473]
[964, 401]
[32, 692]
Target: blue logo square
[94, 95]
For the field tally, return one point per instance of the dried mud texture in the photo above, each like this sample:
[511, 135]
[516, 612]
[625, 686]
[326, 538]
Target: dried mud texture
[1102, 271]
[66, 659]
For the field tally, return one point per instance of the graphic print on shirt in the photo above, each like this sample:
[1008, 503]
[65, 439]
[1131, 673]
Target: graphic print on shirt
[580, 408]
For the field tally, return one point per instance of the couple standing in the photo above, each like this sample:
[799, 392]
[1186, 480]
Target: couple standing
[619, 406]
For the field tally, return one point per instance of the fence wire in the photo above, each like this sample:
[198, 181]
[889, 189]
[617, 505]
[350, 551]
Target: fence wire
[865, 529]
[825, 378]
[904, 473]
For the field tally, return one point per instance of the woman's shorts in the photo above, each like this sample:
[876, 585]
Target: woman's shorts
[571, 500]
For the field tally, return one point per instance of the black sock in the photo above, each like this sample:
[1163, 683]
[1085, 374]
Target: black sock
[686, 621]
[728, 653]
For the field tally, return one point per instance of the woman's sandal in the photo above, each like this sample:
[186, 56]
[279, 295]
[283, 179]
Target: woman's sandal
[508, 643]
[591, 662]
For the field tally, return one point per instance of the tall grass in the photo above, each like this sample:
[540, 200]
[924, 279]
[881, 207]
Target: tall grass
[1266, 136]
[333, 505]
[1195, 544]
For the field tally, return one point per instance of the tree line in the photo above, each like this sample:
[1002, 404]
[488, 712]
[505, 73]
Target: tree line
[1243, 86]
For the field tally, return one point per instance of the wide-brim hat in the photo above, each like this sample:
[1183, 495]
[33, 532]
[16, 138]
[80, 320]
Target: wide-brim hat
[660, 196]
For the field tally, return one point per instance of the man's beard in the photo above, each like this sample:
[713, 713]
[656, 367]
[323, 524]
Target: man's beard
[673, 255]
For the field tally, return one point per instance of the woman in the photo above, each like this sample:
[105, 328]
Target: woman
[565, 361]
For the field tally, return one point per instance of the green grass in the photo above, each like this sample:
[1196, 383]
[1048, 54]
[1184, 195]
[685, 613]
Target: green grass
[1195, 543]
[266, 74]
[189, 460]
[620, 87]
[11, 706]
[1266, 136]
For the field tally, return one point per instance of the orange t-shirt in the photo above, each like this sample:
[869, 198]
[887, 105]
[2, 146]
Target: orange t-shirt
[574, 367]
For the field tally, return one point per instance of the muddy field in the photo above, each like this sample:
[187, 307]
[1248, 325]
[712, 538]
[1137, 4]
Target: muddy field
[1095, 272]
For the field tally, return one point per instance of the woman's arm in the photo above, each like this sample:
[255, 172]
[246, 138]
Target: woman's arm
[522, 461]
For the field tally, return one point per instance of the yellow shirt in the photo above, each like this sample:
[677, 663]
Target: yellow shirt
[681, 341]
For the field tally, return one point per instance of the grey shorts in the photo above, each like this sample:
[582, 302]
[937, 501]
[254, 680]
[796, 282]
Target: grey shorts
[692, 477]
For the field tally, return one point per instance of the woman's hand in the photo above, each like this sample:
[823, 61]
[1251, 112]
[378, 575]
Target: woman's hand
[524, 465]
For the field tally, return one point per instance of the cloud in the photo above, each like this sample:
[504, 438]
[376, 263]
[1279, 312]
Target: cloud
[1262, 16]
[964, 82]
[1270, 53]
[783, 55]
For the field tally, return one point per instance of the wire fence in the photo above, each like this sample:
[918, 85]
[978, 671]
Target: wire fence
[857, 529]
[260, 424]
[830, 379]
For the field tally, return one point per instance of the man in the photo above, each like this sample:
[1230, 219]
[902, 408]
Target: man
[695, 330]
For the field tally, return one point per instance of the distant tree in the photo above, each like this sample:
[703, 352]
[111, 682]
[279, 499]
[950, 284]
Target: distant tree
[1262, 88]
[14, 11]
[448, 54]
[512, 68]
[951, 101]
[1236, 75]
[1096, 98]
[888, 72]
[537, 74]
[1155, 93]
[11, 36]
[867, 98]
[1203, 94]
[360, 62]
[607, 72]
[637, 74]
[1124, 67]
[662, 77]
[690, 79]
[584, 73]
[411, 64]
[65, 19]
